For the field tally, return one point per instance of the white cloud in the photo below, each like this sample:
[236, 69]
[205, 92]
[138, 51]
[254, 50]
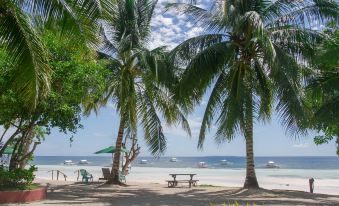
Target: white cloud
[160, 20]
[302, 145]
[169, 29]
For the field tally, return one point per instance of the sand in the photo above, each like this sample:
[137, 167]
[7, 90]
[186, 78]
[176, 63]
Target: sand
[155, 194]
[326, 181]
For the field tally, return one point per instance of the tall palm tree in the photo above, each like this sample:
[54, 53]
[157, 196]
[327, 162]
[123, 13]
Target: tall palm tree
[140, 84]
[253, 52]
[19, 36]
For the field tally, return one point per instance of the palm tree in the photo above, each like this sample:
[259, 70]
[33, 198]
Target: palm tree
[140, 84]
[19, 36]
[252, 54]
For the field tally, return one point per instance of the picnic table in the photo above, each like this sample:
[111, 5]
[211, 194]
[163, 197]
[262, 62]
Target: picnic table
[174, 182]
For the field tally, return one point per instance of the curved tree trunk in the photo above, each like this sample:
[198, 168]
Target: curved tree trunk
[14, 161]
[114, 178]
[251, 179]
[134, 151]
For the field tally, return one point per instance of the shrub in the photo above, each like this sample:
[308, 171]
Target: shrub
[17, 178]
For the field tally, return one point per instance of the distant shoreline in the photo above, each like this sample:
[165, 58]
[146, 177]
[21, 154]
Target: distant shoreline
[106, 155]
[218, 162]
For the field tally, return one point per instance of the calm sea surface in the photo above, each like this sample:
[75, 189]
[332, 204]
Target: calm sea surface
[210, 161]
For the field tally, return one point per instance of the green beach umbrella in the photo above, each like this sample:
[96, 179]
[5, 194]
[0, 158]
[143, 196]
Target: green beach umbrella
[110, 149]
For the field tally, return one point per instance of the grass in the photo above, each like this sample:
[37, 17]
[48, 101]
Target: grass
[21, 187]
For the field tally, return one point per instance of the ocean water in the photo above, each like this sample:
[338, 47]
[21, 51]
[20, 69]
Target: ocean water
[213, 162]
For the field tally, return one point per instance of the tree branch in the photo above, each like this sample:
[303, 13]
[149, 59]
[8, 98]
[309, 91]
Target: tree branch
[3, 134]
[9, 141]
[31, 152]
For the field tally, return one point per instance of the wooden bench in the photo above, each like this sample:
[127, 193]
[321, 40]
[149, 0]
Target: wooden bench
[174, 182]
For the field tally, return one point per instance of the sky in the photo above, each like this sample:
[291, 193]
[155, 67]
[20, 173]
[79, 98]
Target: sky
[100, 131]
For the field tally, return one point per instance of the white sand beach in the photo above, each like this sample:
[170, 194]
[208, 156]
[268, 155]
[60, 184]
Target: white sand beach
[326, 181]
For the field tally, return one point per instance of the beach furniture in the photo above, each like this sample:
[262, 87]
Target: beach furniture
[122, 177]
[58, 172]
[86, 176]
[111, 150]
[174, 182]
[105, 173]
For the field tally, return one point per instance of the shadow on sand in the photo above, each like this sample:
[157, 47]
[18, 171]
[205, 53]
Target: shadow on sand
[159, 195]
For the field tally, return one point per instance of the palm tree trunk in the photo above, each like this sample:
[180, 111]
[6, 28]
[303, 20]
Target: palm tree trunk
[337, 141]
[251, 179]
[114, 178]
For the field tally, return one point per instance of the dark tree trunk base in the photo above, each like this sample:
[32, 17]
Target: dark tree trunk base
[251, 183]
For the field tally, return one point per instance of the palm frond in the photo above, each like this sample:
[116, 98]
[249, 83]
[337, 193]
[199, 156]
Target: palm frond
[263, 92]
[153, 131]
[301, 12]
[232, 114]
[196, 15]
[214, 104]
[288, 91]
[188, 49]
[204, 67]
[132, 19]
[19, 37]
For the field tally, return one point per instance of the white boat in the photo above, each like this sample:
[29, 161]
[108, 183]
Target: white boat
[202, 165]
[68, 162]
[271, 164]
[223, 162]
[83, 162]
[143, 162]
[173, 159]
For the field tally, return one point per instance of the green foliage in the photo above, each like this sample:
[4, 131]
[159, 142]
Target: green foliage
[17, 179]
[323, 90]
[76, 76]
[21, 24]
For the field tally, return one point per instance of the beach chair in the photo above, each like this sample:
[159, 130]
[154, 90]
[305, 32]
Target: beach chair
[86, 176]
[122, 177]
[105, 173]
